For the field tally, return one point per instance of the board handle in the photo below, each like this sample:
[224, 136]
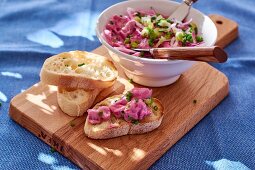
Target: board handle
[227, 30]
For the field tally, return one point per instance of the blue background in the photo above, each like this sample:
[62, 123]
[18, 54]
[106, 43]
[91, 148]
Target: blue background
[31, 31]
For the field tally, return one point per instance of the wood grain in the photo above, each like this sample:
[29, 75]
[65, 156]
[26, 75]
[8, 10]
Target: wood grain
[227, 30]
[36, 110]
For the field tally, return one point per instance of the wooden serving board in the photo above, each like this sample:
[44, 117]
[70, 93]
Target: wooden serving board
[37, 110]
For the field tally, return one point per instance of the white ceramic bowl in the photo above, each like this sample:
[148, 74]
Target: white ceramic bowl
[154, 72]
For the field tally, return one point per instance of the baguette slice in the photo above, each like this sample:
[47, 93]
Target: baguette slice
[75, 102]
[118, 127]
[78, 70]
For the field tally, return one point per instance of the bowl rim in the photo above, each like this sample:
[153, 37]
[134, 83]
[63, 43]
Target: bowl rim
[140, 59]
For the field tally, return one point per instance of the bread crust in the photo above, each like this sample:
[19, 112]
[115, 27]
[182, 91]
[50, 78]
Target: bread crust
[106, 131]
[75, 102]
[75, 80]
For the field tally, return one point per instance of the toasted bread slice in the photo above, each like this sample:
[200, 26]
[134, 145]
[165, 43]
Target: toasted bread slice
[75, 102]
[78, 70]
[118, 127]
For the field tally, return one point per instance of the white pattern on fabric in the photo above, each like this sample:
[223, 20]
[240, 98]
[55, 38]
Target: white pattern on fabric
[11, 74]
[3, 97]
[225, 164]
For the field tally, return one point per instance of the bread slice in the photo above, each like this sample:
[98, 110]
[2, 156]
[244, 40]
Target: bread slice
[75, 102]
[118, 127]
[78, 70]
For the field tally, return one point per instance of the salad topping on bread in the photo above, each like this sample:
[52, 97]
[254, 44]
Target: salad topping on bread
[132, 107]
[135, 112]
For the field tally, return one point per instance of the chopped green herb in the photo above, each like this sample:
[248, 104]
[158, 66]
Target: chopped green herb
[153, 18]
[149, 101]
[138, 19]
[168, 20]
[193, 27]
[127, 41]
[111, 22]
[100, 114]
[199, 39]
[129, 96]
[155, 108]
[67, 65]
[130, 81]
[135, 122]
[187, 37]
[194, 101]
[168, 35]
[150, 42]
[134, 44]
[149, 32]
[0, 104]
[142, 54]
[52, 150]
[82, 64]
[191, 30]
[72, 124]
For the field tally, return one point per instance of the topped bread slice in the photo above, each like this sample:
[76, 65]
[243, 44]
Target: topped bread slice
[103, 123]
[80, 70]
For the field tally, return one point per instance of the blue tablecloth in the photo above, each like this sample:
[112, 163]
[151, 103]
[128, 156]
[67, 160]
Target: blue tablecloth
[31, 31]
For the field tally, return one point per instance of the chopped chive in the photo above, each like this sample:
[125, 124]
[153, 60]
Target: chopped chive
[199, 39]
[129, 96]
[168, 20]
[82, 64]
[127, 41]
[150, 42]
[135, 122]
[155, 108]
[52, 150]
[130, 81]
[134, 44]
[194, 101]
[72, 124]
[0, 104]
[142, 54]
[168, 35]
[149, 101]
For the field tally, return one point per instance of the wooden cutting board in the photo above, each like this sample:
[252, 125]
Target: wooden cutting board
[186, 102]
